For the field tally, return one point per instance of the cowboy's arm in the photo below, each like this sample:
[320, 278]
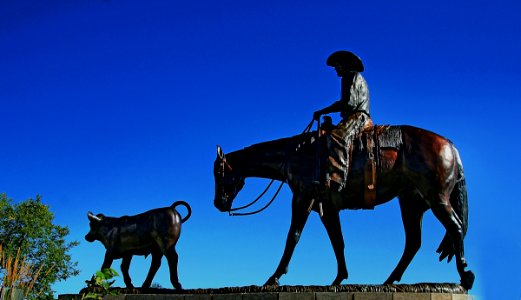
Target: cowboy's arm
[335, 107]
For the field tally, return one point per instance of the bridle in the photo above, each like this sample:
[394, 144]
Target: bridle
[233, 211]
[224, 165]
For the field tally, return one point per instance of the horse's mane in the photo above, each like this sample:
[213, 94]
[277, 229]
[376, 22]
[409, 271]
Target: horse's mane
[275, 150]
[286, 144]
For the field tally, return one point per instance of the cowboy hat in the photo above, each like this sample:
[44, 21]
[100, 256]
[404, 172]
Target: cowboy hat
[347, 59]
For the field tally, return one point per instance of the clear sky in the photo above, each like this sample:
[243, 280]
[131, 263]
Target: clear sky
[117, 106]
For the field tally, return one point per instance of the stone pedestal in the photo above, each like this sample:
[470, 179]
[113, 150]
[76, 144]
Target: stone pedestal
[342, 292]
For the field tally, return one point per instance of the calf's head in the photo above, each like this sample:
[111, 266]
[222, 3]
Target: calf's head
[96, 227]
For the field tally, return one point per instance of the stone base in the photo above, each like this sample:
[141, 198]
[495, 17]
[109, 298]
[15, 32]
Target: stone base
[343, 292]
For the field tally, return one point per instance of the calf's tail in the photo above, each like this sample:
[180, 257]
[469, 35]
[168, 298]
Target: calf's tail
[188, 208]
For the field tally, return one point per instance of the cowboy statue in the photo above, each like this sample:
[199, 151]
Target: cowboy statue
[354, 110]
[420, 167]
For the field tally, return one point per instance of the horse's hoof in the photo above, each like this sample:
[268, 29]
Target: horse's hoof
[392, 279]
[467, 279]
[338, 280]
[272, 281]
[389, 281]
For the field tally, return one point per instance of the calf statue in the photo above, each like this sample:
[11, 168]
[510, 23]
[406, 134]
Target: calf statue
[153, 232]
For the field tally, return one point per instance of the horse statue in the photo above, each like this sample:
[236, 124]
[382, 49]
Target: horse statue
[422, 169]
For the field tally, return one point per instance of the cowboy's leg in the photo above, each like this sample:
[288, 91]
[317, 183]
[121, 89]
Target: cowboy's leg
[337, 156]
[353, 127]
[319, 176]
[338, 166]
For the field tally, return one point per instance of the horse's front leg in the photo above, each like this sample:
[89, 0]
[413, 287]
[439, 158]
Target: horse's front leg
[331, 221]
[412, 206]
[299, 216]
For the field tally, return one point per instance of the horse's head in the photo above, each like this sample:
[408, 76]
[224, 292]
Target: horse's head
[228, 182]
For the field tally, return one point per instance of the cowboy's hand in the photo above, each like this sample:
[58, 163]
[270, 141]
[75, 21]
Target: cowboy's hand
[316, 115]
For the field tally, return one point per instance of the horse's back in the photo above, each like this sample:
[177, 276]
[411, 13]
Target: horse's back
[394, 136]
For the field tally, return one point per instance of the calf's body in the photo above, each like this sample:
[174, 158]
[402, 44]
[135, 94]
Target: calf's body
[153, 232]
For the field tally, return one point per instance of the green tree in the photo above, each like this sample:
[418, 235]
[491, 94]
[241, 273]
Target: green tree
[28, 226]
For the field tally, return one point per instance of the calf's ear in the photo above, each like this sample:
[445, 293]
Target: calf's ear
[93, 217]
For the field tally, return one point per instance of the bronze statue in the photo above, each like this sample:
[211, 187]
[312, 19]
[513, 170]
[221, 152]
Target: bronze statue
[153, 232]
[354, 110]
[421, 168]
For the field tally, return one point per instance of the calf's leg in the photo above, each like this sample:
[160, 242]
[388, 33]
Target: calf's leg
[154, 266]
[125, 264]
[107, 262]
[173, 258]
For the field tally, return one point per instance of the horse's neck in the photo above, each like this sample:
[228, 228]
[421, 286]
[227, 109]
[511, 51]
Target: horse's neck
[264, 160]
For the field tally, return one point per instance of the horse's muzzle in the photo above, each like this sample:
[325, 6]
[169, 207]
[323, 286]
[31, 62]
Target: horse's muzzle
[222, 203]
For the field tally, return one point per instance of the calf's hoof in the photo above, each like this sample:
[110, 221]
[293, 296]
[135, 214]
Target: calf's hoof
[178, 286]
[146, 285]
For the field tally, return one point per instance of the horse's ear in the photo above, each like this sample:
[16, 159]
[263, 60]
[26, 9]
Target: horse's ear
[220, 152]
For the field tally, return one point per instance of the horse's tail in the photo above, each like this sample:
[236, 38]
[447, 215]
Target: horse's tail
[459, 202]
[188, 208]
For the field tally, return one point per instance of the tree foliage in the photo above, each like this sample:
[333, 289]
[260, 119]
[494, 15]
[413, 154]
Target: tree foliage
[28, 227]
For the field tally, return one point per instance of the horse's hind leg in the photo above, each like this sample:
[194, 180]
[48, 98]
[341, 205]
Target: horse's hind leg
[452, 223]
[299, 216]
[331, 221]
[412, 207]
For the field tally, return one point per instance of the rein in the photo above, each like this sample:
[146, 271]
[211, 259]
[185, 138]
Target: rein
[230, 213]
[238, 214]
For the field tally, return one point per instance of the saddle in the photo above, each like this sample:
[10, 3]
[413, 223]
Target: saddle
[370, 140]
[364, 160]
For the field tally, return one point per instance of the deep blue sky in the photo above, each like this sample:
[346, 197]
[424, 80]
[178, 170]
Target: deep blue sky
[116, 107]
